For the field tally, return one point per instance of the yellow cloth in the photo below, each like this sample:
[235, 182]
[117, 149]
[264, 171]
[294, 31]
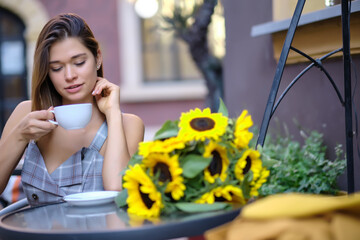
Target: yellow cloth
[295, 216]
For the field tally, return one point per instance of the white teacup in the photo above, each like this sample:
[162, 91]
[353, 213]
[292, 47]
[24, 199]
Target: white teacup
[72, 116]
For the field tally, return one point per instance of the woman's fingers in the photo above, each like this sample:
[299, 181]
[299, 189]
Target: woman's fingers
[100, 83]
[104, 87]
[42, 115]
[36, 124]
[107, 95]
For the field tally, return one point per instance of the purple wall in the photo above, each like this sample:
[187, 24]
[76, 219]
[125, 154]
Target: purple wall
[155, 113]
[250, 69]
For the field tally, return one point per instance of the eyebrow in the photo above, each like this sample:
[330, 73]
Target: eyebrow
[73, 57]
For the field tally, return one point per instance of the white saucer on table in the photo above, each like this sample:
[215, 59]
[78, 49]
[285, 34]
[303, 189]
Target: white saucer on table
[91, 198]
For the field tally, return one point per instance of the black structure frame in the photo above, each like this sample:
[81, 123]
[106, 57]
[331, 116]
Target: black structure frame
[271, 106]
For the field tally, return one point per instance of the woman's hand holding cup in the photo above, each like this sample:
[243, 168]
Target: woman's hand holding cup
[36, 124]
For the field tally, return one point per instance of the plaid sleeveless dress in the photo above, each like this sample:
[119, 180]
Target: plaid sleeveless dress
[82, 172]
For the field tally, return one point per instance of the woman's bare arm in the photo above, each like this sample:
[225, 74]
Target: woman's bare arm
[22, 126]
[124, 134]
[125, 131]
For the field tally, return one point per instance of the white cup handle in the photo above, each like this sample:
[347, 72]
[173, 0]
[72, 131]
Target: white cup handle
[52, 121]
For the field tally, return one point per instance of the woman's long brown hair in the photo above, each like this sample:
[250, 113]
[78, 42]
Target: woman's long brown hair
[43, 92]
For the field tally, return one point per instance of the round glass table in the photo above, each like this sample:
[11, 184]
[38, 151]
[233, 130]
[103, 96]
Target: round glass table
[107, 221]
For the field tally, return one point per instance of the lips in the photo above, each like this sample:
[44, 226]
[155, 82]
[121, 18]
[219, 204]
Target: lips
[73, 88]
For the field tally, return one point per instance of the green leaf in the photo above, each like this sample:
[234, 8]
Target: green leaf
[193, 164]
[120, 199]
[222, 108]
[169, 129]
[269, 162]
[135, 159]
[245, 185]
[197, 207]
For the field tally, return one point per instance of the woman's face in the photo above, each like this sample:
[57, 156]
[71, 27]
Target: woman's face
[73, 70]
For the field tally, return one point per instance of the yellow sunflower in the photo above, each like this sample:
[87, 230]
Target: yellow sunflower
[219, 163]
[242, 133]
[257, 183]
[143, 197]
[160, 146]
[170, 171]
[199, 125]
[168, 145]
[226, 193]
[250, 160]
[145, 148]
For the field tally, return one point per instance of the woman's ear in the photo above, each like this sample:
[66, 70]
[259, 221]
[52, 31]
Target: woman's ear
[98, 59]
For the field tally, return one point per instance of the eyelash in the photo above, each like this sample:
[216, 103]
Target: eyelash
[80, 63]
[58, 69]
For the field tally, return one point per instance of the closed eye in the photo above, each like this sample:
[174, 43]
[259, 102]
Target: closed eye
[80, 63]
[56, 69]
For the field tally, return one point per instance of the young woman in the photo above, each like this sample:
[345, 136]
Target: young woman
[57, 162]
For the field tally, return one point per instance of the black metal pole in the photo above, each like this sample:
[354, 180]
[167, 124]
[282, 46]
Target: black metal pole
[279, 71]
[347, 86]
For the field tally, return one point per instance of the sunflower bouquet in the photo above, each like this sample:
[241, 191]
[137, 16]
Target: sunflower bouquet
[201, 162]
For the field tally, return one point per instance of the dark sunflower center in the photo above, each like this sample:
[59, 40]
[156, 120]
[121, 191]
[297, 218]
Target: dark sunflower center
[248, 165]
[145, 198]
[216, 163]
[202, 124]
[165, 174]
[220, 199]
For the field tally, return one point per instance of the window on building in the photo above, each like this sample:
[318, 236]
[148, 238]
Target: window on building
[165, 57]
[161, 65]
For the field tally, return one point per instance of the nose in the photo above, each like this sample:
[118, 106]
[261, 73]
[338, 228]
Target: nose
[70, 74]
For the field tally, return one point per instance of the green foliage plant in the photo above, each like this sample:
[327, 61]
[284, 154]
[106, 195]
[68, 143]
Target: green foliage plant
[305, 169]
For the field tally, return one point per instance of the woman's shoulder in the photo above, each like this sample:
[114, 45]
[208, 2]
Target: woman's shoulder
[132, 117]
[21, 110]
[133, 122]
[134, 130]
[24, 105]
